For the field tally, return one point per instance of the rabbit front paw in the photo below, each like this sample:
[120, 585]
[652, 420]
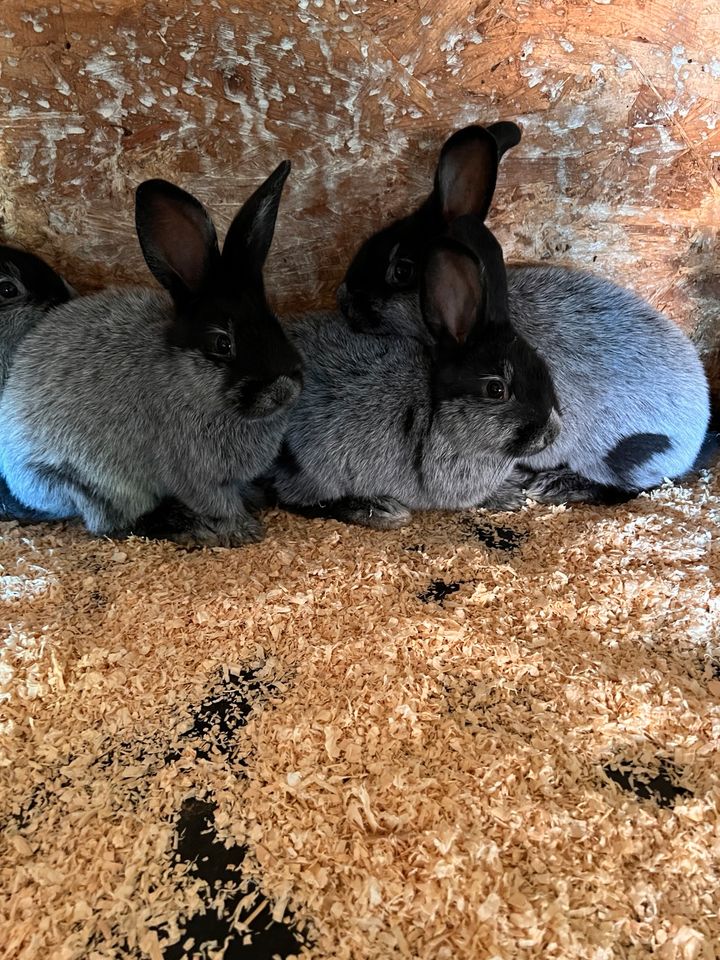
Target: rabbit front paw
[219, 532]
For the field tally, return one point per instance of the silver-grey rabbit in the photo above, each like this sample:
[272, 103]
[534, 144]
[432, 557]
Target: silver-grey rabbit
[29, 287]
[388, 424]
[632, 391]
[120, 402]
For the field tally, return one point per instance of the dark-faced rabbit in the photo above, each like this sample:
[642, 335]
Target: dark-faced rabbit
[123, 400]
[390, 423]
[630, 385]
[28, 289]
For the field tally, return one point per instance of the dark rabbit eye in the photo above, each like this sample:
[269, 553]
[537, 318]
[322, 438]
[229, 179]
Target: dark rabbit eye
[401, 273]
[495, 389]
[221, 345]
[8, 290]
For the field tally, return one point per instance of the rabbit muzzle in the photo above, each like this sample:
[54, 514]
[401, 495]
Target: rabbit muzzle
[263, 399]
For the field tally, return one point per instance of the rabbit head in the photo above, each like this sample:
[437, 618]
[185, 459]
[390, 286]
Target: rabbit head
[379, 292]
[222, 316]
[27, 281]
[484, 371]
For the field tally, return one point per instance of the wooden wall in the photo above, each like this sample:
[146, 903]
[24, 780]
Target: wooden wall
[618, 100]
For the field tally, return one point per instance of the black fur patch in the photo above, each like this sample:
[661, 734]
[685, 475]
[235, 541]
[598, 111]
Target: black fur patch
[168, 518]
[659, 788]
[634, 451]
[409, 421]
[418, 457]
[438, 590]
[497, 538]
[12, 509]
[287, 461]
[218, 865]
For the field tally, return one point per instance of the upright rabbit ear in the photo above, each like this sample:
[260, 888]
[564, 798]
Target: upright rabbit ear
[248, 240]
[466, 173]
[452, 292]
[177, 237]
[506, 135]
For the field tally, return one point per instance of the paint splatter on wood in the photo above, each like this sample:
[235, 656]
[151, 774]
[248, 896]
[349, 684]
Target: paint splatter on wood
[619, 103]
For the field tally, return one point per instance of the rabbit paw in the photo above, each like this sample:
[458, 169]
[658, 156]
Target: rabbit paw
[219, 532]
[380, 513]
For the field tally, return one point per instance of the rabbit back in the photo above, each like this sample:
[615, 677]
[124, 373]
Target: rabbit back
[633, 395]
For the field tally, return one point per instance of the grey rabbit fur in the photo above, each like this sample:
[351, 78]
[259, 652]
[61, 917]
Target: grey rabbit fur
[632, 391]
[389, 424]
[120, 402]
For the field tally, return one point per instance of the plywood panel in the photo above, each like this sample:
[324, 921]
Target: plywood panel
[618, 100]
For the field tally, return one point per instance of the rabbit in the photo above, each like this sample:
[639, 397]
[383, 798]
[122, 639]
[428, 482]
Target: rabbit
[28, 289]
[121, 402]
[632, 391]
[386, 425]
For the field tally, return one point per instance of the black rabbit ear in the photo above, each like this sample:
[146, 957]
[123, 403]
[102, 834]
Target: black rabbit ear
[177, 237]
[248, 240]
[466, 173]
[452, 291]
[506, 135]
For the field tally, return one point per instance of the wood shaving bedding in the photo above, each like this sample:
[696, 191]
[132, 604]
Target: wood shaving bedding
[481, 736]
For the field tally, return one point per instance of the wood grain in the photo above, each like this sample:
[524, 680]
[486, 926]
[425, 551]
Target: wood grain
[618, 99]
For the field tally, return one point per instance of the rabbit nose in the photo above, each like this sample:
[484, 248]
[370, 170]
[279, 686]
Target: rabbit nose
[282, 392]
[263, 398]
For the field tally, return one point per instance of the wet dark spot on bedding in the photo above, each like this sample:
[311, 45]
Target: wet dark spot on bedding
[438, 591]
[496, 538]
[662, 788]
[219, 866]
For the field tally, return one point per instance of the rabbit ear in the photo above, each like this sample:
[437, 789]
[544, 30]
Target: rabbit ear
[506, 135]
[248, 240]
[177, 237]
[466, 173]
[452, 292]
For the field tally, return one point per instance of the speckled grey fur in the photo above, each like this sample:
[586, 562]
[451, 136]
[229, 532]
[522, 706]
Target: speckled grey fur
[140, 421]
[347, 439]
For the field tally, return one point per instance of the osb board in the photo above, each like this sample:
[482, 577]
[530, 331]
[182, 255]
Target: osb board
[618, 100]
[478, 737]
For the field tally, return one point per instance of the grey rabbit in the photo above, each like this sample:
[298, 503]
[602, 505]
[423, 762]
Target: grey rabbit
[390, 424]
[123, 401]
[632, 391]
[29, 287]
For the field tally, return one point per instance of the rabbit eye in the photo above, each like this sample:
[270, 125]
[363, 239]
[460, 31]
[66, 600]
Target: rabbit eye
[8, 290]
[401, 273]
[493, 388]
[221, 345]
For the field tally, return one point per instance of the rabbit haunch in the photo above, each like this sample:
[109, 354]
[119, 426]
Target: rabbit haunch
[123, 400]
[633, 396]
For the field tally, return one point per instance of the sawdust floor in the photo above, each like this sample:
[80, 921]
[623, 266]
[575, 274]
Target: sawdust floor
[475, 737]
